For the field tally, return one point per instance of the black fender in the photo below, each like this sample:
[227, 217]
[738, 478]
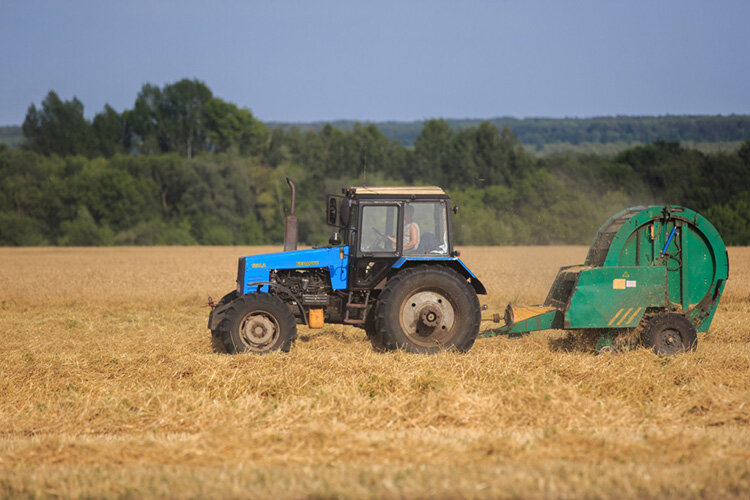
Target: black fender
[454, 264]
[216, 315]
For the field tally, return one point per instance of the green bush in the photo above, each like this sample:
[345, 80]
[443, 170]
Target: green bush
[18, 230]
[83, 231]
[156, 232]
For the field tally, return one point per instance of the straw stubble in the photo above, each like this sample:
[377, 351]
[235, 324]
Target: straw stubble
[110, 386]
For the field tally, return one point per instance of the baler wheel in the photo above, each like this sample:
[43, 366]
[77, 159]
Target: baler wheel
[669, 333]
[258, 323]
[427, 309]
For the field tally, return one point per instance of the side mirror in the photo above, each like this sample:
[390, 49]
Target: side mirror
[332, 212]
[335, 239]
[455, 209]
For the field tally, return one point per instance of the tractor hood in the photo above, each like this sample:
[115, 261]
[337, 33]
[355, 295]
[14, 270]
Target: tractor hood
[257, 268]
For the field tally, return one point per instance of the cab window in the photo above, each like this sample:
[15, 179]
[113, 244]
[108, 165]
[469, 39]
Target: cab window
[425, 228]
[378, 231]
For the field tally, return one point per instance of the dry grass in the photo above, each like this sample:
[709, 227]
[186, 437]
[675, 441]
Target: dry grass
[110, 388]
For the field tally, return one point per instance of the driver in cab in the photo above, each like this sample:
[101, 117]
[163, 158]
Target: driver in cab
[411, 231]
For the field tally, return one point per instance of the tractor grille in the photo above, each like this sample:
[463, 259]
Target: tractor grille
[315, 300]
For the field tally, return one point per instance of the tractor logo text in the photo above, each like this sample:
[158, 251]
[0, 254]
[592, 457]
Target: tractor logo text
[257, 265]
[309, 263]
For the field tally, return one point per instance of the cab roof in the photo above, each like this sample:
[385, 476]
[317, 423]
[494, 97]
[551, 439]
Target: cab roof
[398, 191]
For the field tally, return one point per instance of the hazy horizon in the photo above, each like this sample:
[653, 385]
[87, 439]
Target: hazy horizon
[459, 119]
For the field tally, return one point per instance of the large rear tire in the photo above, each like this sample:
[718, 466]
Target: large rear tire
[427, 309]
[669, 333]
[372, 332]
[258, 323]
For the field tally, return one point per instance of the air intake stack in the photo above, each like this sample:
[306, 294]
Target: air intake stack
[290, 226]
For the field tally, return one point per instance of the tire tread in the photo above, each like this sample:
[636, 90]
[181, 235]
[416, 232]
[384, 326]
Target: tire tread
[240, 305]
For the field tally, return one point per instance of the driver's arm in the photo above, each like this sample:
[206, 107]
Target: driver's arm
[413, 242]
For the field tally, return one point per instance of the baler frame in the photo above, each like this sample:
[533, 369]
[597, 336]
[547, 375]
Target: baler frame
[629, 276]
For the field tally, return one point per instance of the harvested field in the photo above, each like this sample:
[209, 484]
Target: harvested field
[110, 387]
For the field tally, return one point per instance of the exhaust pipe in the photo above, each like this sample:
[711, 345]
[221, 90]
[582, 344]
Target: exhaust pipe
[290, 226]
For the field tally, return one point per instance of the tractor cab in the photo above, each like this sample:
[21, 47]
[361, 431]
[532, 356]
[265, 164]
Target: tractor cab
[383, 225]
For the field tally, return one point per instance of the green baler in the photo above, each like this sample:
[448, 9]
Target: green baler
[659, 269]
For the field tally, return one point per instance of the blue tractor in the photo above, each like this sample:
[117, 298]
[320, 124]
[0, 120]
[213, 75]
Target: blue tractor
[390, 269]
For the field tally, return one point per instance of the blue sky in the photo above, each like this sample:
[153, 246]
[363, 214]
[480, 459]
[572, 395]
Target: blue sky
[325, 60]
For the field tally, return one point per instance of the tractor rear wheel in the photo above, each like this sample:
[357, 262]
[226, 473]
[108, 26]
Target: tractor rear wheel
[427, 309]
[669, 333]
[372, 332]
[258, 323]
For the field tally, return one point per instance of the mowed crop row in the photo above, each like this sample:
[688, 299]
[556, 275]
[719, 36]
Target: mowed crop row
[111, 387]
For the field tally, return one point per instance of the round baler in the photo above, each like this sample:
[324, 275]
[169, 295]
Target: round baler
[660, 270]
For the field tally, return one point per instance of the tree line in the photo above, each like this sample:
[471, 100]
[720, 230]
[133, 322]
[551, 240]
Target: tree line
[185, 167]
[540, 132]
[183, 116]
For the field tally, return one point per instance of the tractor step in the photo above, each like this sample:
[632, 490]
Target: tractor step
[356, 312]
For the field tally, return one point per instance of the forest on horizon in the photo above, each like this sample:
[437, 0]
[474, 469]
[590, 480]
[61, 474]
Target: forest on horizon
[606, 135]
[186, 167]
[547, 135]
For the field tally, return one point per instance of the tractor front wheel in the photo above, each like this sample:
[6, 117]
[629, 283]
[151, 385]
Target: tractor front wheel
[669, 333]
[258, 323]
[427, 309]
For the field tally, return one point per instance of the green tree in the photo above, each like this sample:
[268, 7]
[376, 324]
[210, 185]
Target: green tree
[230, 126]
[744, 152]
[59, 127]
[434, 152]
[84, 231]
[108, 129]
[185, 111]
[111, 196]
[171, 119]
[732, 219]
[20, 230]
